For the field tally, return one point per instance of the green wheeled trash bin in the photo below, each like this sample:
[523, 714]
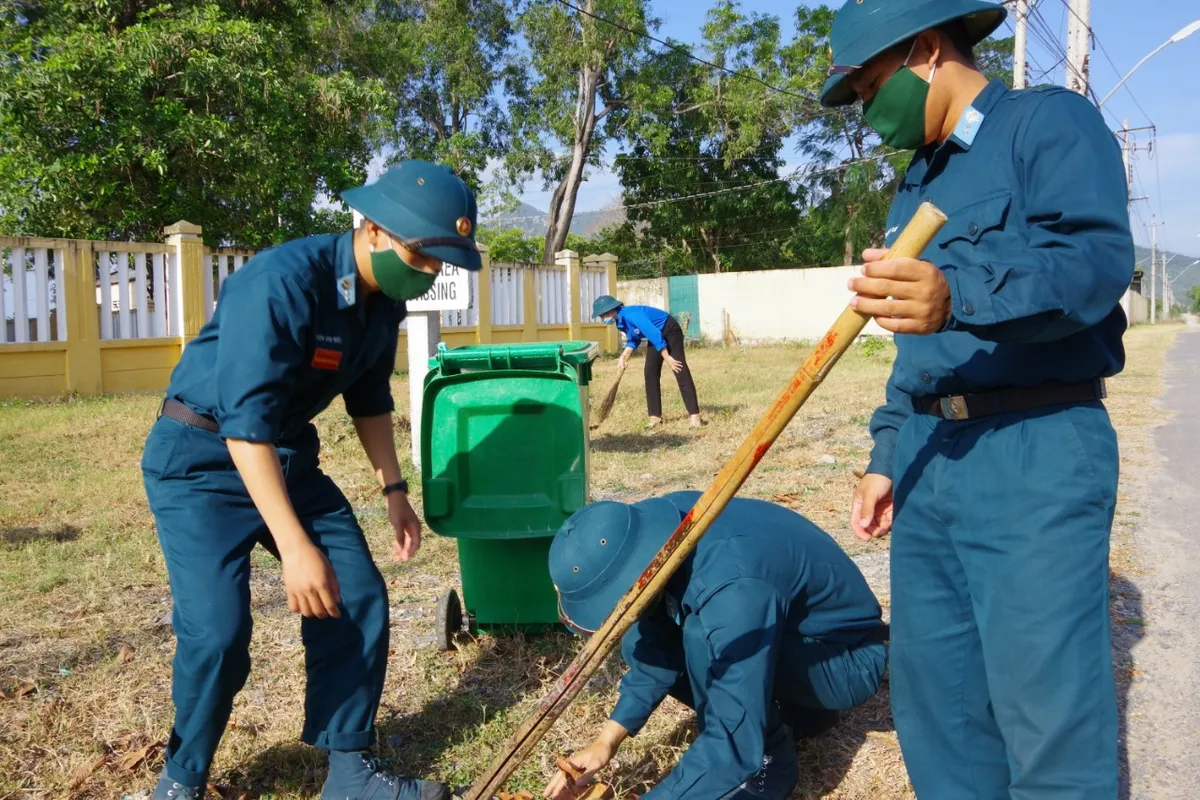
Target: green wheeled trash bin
[504, 462]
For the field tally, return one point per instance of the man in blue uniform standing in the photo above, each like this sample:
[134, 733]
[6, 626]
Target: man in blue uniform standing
[766, 631]
[232, 461]
[664, 344]
[995, 463]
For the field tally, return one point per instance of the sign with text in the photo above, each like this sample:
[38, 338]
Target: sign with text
[451, 292]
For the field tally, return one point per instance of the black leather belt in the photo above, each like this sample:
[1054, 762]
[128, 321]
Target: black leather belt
[181, 413]
[1000, 401]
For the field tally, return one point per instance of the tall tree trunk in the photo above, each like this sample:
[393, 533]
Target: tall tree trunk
[712, 248]
[849, 251]
[562, 202]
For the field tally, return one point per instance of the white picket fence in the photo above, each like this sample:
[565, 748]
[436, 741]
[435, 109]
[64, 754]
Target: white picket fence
[137, 292]
[143, 297]
[29, 301]
[221, 263]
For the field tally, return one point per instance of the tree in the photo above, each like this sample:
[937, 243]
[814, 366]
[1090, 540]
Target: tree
[574, 64]
[448, 66]
[510, 246]
[1193, 294]
[118, 117]
[701, 178]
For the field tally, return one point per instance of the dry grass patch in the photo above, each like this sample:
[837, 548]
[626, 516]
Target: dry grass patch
[86, 602]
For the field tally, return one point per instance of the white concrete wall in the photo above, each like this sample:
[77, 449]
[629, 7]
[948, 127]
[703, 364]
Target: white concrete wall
[1138, 312]
[776, 304]
[648, 292]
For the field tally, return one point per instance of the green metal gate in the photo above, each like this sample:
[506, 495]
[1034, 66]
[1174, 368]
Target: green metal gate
[683, 297]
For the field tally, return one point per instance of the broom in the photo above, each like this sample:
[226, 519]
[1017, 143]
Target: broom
[609, 399]
[915, 237]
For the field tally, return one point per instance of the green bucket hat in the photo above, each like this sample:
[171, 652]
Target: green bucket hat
[865, 28]
[600, 552]
[427, 207]
[604, 304]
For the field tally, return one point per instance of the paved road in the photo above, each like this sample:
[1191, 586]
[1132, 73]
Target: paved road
[1164, 701]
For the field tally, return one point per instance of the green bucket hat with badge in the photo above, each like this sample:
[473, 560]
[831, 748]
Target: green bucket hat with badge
[426, 207]
[865, 28]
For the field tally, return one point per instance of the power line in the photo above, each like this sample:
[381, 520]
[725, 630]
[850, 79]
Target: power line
[688, 53]
[744, 240]
[1157, 173]
[741, 188]
[1029, 58]
[1100, 45]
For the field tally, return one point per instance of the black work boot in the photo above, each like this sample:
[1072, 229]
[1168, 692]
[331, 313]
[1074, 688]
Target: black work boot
[361, 776]
[780, 771]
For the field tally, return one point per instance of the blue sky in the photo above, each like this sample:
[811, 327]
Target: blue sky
[1166, 88]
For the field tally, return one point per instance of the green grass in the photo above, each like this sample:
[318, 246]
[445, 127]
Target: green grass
[82, 579]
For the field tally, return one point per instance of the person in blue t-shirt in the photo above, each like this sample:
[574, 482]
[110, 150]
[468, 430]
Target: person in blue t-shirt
[664, 340]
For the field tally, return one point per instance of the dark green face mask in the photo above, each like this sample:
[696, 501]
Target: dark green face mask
[897, 111]
[396, 278]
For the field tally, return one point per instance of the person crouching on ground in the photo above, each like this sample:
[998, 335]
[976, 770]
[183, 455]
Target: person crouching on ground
[767, 631]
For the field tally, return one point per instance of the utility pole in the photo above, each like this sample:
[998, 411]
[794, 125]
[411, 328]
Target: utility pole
[1079, 44]
[1166, 290]
[1128, 147]
[1153, 265]
[1022, 9]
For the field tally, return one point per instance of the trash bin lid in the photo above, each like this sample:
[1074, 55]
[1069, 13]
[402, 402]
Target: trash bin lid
[534, 355]
[504, 439]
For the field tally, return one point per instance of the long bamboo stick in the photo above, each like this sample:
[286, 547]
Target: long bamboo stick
[915, 237]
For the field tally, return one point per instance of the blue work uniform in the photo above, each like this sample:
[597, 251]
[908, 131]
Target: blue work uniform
[640, 323]
[292, 330]
[768, 621]
[1001, 677]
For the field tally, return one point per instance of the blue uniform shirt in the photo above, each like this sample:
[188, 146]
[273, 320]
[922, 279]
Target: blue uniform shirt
[762, 580]
[642, 322]
[291, 332]
[1036, 249]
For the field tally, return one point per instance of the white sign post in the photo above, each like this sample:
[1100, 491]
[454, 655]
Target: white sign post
[451, 292]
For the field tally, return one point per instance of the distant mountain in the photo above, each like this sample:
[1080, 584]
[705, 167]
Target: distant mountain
[1177, 266]
[534, 222]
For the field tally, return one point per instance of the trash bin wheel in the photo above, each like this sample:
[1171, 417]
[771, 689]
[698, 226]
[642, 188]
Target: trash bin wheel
[449, 619]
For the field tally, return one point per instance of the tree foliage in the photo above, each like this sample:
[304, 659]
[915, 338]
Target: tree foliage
[576, 61]
[701, 171]
[117, 118]
[1193, 294]
[450, 66]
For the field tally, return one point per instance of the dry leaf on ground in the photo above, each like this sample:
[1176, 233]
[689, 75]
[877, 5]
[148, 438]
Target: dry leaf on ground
[135, 758]
[22, 689]
[85, 771]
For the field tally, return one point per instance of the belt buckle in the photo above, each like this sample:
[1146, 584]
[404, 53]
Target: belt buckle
[954, 407]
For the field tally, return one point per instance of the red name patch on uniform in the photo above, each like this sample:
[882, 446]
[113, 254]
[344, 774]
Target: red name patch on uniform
[327, 359]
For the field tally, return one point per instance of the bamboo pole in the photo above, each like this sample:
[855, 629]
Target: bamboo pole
[915, 237]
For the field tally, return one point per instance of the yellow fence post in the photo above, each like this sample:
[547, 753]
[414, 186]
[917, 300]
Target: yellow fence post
[529, 320]
[609, 262]
[189, 249]
[483, 299]
[569, 260]
[83, 366]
